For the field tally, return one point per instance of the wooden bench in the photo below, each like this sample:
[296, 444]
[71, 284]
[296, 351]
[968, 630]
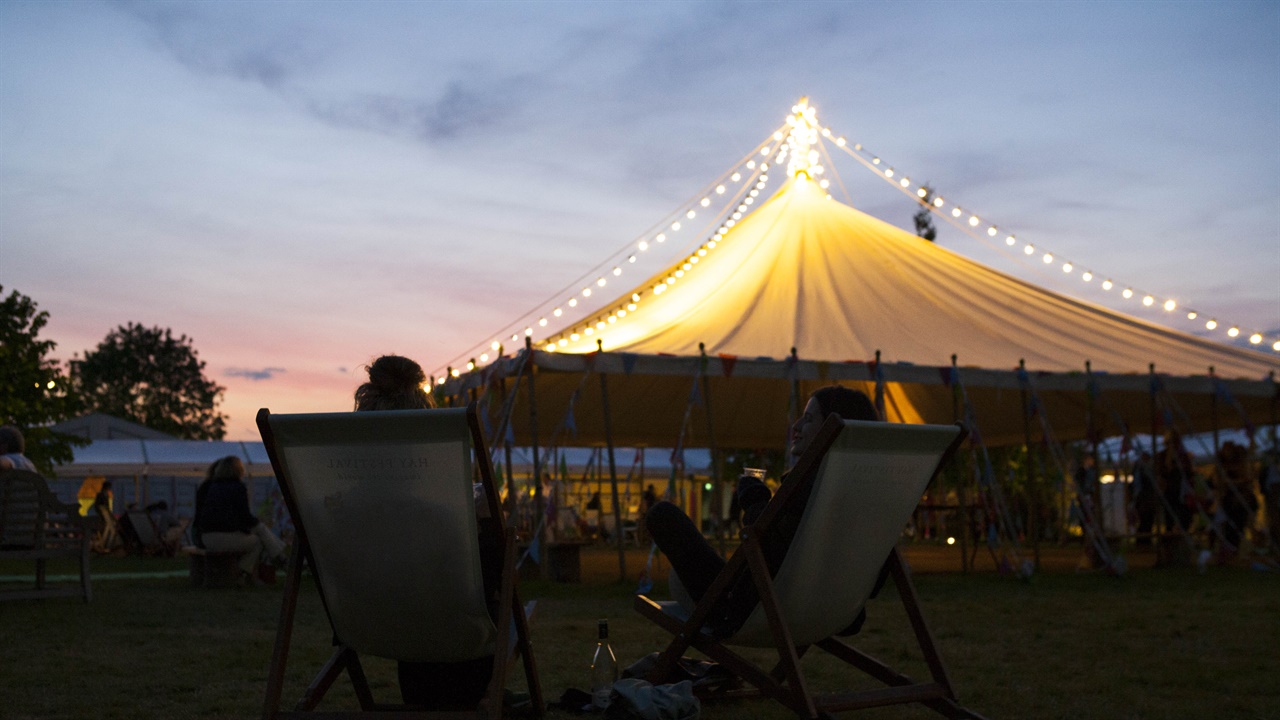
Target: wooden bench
[34, 525]
[213, 569]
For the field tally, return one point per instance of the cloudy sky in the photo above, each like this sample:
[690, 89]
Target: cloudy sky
[300, 187]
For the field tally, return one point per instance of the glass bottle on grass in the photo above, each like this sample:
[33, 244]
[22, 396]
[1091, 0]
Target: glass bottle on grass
[604, 669]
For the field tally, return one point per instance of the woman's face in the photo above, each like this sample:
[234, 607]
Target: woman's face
[806, 427]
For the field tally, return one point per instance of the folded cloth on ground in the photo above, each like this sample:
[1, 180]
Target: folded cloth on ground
[635, 699]
[698, 672]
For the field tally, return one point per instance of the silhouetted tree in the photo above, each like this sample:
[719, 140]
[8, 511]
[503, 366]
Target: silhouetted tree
[148, 376]
[33, 390]
[924, 218]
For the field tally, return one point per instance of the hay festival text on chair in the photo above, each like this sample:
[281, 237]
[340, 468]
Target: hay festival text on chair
[864, 479]
[385, 515]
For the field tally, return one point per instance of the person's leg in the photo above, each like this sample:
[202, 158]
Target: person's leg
[271, 545]
[692, 557]
[248, 545]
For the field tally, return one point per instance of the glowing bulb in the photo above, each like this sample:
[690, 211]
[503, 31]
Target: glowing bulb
[586, 292]
[1148, 300]
[973, 221]
[751, 164]
[623, 313]
[737, 215]
[719, 189]
[680, 273]
[702, 252]
[643, 246]
[875, 161]
[1128, 293]
[691, 214]
[951, 541]
[495, 345]
[1066, 267]
[905, 182]
[631, 307]
[824, 183]
[542, 322]
[528, 331]
[921, 193]
[778, 135]
[704, 202]
[1087, 276]
[1276, 346]
[573, 302]
[1255, 338]
[551, 346]
[600, 325]
[764, 151]
[1234, 331]
[573, 337]
[712, 245]
[675, 225]
[671, 280]
[693, 260]
[631, 259]
[1191, 314]
[888, 172]
[730, 223]
[1010, 241]
[991, 231]
[470, 365]
[600, 282]
[686, 267]
[735, 177]
[613, 319]
[1211, 325]
[1048, 258]
[455, 372]
[955, 212]
[662, 237]
[484, 357]
[1106, 285]
[617, 271]
[1029, 250]
[938, 202]
[1169, 305]
[840, 142]
[635, 297]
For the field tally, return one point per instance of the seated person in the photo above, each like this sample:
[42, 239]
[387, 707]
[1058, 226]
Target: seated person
[170, 528]
[697, 564]
[224, 523]
[12, 445]
[396, 383]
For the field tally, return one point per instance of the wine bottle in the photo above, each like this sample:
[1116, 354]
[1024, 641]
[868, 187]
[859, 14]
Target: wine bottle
[604, 670]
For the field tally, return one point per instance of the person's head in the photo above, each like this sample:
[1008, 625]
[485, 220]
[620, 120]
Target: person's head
[227, 468]
[848, 404]
[395, 383]
[11, 440]
[106, 486]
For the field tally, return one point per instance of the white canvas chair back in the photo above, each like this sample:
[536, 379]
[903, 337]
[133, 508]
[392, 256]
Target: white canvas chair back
[869, 483]
[386, 504]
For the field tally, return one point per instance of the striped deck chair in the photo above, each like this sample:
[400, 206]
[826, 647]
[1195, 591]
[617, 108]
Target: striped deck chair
[385, 516]
[864, 481]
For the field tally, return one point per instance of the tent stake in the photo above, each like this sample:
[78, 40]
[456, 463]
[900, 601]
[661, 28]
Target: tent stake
[613, 470]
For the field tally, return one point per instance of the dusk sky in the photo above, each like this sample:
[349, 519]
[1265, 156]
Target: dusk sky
[303, 186]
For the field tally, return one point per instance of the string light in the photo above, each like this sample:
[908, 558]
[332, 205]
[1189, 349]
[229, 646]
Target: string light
[936, 203]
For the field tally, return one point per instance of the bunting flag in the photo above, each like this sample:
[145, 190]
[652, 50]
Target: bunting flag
[727, 362]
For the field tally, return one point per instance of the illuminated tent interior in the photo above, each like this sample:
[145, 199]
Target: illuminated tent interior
[803, 271]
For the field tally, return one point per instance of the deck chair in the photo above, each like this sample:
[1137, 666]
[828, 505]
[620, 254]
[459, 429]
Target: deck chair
[146, 533]
[384, 513]
[863, 481]
[35, 525]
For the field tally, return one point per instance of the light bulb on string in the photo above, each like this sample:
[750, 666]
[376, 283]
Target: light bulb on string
[1106, 285]
[1048, 258]
[938, 202]
[1029, 250]
[1169, 305]
[573, 302]
[484, 357]
[557, 312]
[973, 221]
[1191, 314]
[617, 271]
[662, 237]
[1255, 338]
[1233, 331]
[705, 202]
[1128, 293]
[542, 322]
[1087, 276]
[1066, 267]
[495, 345]
[956, 212]
[1010, 241]
[675, 225]
[719, 189]
[1211, 324]
[991, 231]
[1148, 300]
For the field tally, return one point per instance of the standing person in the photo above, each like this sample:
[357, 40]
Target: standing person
[1145, 498]
[12, 447]
[1235, 497]
[223, 522]
[697, 564]
[396, 383]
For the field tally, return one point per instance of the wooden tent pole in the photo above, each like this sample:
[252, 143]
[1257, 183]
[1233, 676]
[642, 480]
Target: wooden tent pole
[962, 485]
[718, 503]
[1213, 409]
[538, 521]
[1092, 429]
[1033, 507]
[613, 470]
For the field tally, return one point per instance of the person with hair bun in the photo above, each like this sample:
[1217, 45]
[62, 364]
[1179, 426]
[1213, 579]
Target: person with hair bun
[396, 383]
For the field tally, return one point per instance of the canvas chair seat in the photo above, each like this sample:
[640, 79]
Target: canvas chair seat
[864, 479]
[385, 514]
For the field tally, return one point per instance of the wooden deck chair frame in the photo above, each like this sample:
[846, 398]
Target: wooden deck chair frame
[35, 525]
[786, 681]
[512, 615]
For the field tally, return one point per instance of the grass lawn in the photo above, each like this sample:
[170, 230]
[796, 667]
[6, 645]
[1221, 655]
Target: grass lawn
[1153, 644]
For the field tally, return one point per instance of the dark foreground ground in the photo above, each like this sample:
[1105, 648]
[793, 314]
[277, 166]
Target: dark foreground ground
[1169, 643]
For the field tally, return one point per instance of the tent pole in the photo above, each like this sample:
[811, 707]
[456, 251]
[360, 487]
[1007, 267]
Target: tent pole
[1094, 431]
[613, 470]
[1275, 400]
[1213, 409]
[538, 524]
[962, 485]
[718, 503]
[506, 451]
[1032, 506]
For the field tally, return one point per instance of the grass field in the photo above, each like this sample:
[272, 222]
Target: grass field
[1153, 644]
